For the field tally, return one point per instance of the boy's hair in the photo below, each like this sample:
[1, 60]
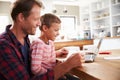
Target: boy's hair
[47, 19]
[24, 7]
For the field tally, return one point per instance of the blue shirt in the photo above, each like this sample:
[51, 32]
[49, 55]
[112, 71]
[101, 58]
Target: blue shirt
[25, 53]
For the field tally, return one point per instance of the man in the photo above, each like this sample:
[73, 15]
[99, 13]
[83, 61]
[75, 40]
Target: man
[14, 42]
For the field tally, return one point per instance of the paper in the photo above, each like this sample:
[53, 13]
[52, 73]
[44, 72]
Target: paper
[72, 50]
[112, 57]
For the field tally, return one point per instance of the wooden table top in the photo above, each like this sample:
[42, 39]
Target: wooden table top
[79, 43]
[101, 69]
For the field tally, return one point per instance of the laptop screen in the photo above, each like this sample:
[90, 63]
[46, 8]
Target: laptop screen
[99, 43]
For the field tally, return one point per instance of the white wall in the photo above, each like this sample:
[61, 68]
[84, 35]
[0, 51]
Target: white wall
[5, 9]
[107, 44]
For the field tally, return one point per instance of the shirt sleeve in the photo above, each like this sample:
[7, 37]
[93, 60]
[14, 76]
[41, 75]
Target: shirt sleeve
[36, 59]
[11, 67]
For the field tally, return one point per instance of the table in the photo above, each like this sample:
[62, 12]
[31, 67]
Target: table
[79, 43]
[101, 69]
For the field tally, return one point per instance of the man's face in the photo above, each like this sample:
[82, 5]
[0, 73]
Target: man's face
[32, 21]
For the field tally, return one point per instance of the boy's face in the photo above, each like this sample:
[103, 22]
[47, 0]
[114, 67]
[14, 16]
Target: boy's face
[32, 21]
[53, 31]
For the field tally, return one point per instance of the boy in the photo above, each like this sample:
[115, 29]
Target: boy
[43, 52]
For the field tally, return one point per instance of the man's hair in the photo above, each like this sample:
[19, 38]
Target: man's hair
[47, 19]
[24, 7]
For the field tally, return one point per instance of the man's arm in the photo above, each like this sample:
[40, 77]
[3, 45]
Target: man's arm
[72, 62]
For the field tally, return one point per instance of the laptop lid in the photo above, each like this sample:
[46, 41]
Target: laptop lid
[99, 43]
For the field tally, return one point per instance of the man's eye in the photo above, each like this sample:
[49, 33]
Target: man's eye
[37, 19]
[56, 30]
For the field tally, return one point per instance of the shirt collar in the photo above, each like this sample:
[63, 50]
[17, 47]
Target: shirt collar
[13, 37]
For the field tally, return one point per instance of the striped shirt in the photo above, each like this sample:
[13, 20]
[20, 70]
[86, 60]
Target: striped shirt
[43, 57]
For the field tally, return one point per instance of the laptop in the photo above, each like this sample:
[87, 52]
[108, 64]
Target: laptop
[90, 56]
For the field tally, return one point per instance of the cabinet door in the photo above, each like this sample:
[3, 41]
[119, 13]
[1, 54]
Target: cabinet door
[85, 21]
[115, 11]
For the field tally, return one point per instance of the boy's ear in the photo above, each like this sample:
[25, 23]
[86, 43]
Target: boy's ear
[45, 28]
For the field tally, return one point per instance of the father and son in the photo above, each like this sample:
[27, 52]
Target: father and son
[22, 60]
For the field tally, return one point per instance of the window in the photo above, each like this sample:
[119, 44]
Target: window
[68, 27]
[68, 24]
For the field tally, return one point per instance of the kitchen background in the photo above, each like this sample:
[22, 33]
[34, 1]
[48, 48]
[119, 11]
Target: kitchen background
[91, 19]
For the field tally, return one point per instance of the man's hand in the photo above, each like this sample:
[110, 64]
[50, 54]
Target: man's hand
[75, 60]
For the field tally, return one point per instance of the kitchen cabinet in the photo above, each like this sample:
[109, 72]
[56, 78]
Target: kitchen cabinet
[101, 18]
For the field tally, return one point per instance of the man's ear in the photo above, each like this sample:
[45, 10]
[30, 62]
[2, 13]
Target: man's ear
[20, 17]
